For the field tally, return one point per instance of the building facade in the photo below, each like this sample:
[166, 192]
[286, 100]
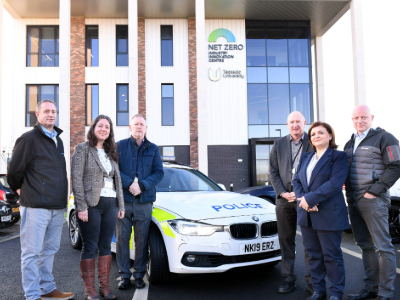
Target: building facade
[215, 79]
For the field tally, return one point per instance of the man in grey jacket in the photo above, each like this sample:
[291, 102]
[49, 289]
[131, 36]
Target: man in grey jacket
[374, 166]
[284, 158]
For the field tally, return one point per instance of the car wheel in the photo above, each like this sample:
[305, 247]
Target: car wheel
[15, 219]
[74, 232]
[394, 223]
[157, 269]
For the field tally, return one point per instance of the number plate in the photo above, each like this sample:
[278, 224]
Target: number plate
[257, 247]
[15, 209]
[6, 218]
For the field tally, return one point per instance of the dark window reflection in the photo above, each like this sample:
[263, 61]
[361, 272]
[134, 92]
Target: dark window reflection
[122, 105]
[257, 104]
[167, 54]
[92, 102]
[278, 96]
[35, 94]
[262, 164]
[300, 99]
[92, 46]
[42, 46]
[298, 47]
[277, 45]
[167, 104]
[255, 46]
[122, 46]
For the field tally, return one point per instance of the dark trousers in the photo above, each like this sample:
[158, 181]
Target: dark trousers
[286, 216]
[138, 215]
[369, 221]
[99, 230]
[326, 259]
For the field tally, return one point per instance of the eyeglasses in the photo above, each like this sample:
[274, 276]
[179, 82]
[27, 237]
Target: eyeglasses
[357, 118]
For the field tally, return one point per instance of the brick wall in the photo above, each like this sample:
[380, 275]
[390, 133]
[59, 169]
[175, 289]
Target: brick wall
[141, 66]
[224, 167]
[77, 92]
[194, 148]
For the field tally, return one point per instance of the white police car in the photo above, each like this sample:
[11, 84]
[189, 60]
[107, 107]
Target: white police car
[197, 227]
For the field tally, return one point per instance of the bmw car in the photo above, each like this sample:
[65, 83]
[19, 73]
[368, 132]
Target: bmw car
[198, 227]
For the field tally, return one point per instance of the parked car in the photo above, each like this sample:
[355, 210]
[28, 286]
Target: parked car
[267, 192]
[5, 212]
[197, 227]
[11, 198]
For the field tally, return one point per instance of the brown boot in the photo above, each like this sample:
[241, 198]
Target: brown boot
[104, 268]
[88, 274]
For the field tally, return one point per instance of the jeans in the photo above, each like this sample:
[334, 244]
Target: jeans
[139, 215]
[97, 233]
[40, 240]
[370, 224]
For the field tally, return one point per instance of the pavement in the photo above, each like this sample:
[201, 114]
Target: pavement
[253, 282]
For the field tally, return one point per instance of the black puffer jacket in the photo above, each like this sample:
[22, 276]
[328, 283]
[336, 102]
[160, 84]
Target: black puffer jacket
[374, 167]
[38, 168]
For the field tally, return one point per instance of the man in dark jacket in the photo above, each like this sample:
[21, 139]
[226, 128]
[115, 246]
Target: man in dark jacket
[141, 169]
[374, 166]
[284, 158]
[37, 172]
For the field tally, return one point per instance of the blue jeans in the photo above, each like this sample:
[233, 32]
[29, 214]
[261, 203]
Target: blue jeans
[97, 233]
[40, 240]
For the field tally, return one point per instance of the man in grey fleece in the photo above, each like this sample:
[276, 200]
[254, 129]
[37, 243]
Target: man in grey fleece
[374, 166]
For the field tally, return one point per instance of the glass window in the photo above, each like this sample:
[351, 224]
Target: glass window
[299, 75]
[278, 99]
[35, 94]
[278, 75]
[92, 102]
[167, 104]
[92, 46]
[167, 54]
[42, 46]
[277, 47]
[300, 99]
[262, 164]
[168, 151]
[298, 47]
[257, 103]
[122, 46]
[256, 75]
[278, 130]
[255, 46]
[258, 131]
[122, 105]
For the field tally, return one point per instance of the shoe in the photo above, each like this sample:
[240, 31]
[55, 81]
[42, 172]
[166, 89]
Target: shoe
[383, 298]
[88, 274]
[335, 298]
[310, 288]
[363, 295]
[57, 295]
[104, 268]
[317, 296]
[124, 283]
[287, 287]
[140, 283]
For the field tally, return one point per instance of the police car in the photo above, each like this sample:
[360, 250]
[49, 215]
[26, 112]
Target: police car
[198, 227]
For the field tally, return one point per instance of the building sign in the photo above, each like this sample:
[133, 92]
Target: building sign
[225, 74]
[220, 52]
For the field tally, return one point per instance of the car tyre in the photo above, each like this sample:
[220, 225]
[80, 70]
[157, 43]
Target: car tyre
[74, 231]
[394, 223]
[157, 270]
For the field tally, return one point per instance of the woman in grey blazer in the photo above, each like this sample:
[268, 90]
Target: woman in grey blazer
[99, 200]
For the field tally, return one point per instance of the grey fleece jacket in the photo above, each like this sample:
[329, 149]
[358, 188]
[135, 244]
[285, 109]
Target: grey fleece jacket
[374, 167]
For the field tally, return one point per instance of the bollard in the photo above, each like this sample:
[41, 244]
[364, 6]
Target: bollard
[231, 186]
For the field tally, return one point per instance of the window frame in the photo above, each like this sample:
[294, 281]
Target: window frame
[116, 108]
[39, 96]
[161, 48]
[39, 54]
[87, 41]
[173, 104]
[86, 103]
[116, 44]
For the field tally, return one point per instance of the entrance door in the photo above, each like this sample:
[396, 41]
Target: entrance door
[260, 149]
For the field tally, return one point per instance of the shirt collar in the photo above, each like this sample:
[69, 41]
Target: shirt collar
[48, 133]
[302, 137]
[364, 134]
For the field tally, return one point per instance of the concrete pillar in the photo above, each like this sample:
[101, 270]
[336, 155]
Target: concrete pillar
[201, 85]
[358, 52]
[319, 78]
[64, 69]
[133, 57]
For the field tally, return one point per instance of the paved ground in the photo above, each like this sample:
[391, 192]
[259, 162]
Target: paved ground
[254, 282]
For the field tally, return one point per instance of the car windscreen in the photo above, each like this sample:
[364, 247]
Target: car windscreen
[3, 181]
[185, 180]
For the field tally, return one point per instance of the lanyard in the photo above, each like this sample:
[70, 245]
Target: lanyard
[301, 146]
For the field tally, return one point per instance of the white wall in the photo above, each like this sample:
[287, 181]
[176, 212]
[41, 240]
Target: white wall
[178, 74]
[227, 98]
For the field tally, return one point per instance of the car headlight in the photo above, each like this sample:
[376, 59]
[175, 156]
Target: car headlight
[186, 227]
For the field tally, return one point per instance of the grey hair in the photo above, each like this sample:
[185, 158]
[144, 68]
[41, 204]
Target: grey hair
[139, 115]
[43, 101]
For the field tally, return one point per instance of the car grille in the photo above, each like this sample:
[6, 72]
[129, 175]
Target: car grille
[269, 228]
[217, 260]
[243, 231]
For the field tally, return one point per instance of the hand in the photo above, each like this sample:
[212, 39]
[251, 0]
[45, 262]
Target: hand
[134, 189]
[290, 197]
[314, 209]
[83, 215]
[19, 192]
[303, 203]
[369, 196]
[121, 214]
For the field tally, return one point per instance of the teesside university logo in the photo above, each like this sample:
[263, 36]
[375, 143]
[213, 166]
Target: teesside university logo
[220, 52]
